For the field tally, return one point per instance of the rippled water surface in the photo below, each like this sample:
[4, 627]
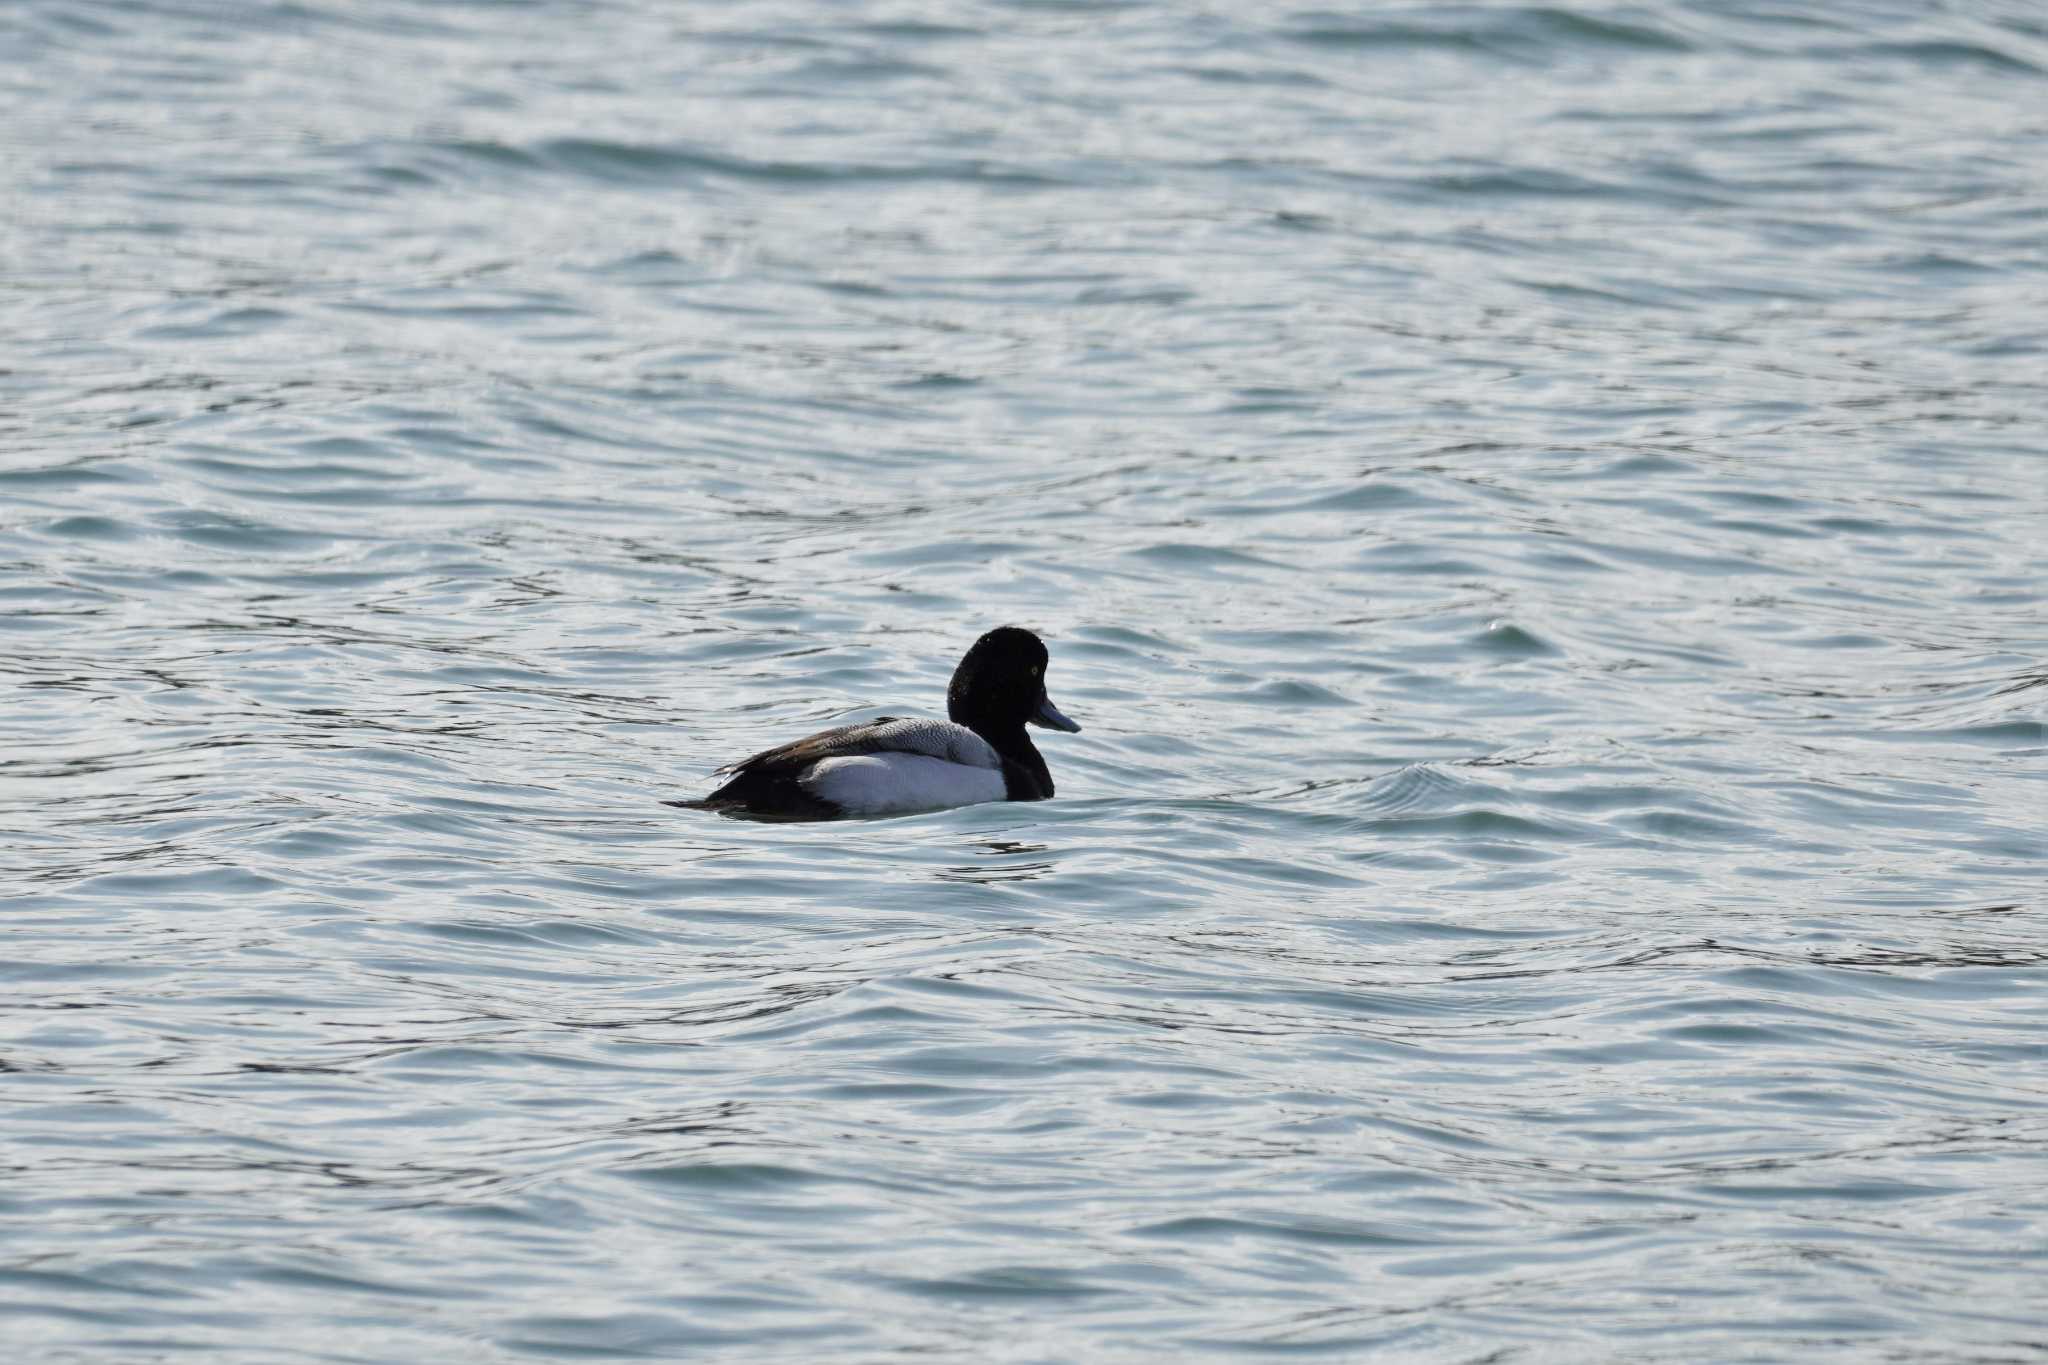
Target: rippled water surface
[1541, 510]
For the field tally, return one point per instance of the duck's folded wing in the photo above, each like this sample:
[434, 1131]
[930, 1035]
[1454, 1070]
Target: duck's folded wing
[939, 739]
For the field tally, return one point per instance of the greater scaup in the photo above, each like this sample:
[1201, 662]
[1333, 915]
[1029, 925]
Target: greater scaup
[888, 766]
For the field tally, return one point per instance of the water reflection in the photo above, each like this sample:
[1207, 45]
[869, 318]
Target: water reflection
[1464, 926]
[984, 874]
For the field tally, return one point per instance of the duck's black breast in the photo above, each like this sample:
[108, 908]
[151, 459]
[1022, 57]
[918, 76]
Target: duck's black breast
[1020, 785]
[1025, 776]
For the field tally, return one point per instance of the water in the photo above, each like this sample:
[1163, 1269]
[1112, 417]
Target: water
[1541, 510]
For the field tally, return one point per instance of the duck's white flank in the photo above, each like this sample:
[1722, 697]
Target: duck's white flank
[898, 783]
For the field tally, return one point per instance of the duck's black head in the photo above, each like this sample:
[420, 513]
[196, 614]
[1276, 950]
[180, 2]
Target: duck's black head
[998, 687]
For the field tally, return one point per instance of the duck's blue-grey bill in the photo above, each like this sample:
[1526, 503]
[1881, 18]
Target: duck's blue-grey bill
[1049, 716]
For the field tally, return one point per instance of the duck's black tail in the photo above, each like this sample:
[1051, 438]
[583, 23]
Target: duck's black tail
[763, 796]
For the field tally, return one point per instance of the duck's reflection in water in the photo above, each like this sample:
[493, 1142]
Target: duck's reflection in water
[988, 874]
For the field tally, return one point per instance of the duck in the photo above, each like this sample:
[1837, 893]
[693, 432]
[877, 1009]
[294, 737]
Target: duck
[896, 766]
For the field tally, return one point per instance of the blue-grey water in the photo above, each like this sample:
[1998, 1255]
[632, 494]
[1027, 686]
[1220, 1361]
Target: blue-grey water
[1542, 511]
